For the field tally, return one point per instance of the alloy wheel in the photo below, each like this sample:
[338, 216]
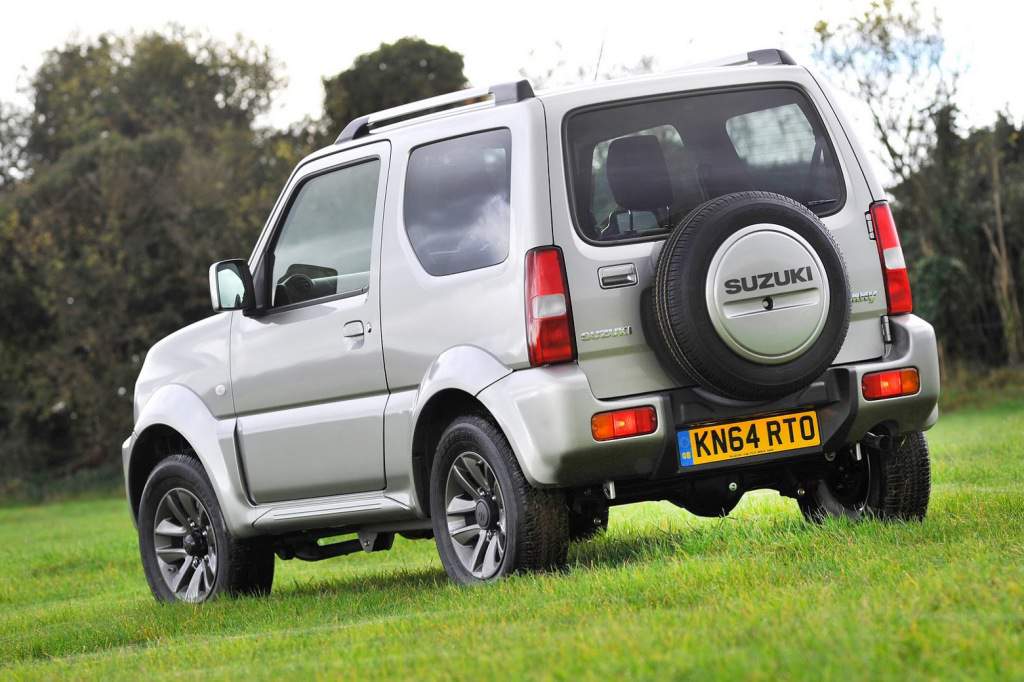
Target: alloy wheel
[476, 517]
[185, 545]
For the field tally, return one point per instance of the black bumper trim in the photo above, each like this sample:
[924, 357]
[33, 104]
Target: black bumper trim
[833, 397]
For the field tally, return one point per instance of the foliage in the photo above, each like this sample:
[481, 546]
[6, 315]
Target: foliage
[106, 253]
[663, 595]
[958, 193]
[891, 57]
[948, 219]
[13, 135]
[977, 387]
[406, 70]
[134, 86]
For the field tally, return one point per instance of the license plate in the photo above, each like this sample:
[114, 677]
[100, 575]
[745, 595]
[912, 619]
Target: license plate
[719, 442]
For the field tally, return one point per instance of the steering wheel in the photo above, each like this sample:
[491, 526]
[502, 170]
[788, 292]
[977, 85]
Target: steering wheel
[298, 286]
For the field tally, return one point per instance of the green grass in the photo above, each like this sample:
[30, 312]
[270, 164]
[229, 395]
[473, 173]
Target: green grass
[758, 595]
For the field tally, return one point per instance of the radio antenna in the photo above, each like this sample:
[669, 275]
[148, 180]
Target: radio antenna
[600, 53]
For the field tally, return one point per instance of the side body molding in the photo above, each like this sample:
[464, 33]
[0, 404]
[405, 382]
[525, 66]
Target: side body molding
[467, 369]
[213, 440]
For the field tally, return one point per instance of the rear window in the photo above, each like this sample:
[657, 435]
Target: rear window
[636, 169]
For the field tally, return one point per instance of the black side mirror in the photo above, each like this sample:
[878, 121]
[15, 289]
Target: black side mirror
[231, 286]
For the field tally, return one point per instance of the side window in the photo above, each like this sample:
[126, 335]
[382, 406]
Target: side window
[780, 136]
[457, 195]
[781, 152]
[323, 248]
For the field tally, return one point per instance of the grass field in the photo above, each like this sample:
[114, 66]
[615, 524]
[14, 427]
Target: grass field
[663, 594]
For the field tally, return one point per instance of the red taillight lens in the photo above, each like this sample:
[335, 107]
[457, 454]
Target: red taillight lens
[891, 384]
[894, 268]
[548, 317]
[635, 421]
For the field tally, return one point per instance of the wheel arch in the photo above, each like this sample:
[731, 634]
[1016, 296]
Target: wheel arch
[448, 389]
[440, 410]
[176, 417]
[154, 444]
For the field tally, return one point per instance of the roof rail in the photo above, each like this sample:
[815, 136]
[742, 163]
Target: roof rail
[500, 93]
[769, 57]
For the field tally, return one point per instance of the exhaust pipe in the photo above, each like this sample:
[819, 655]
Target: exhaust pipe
[883, 442]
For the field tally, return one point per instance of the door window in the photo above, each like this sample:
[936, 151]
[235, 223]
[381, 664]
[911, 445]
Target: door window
[323, 248]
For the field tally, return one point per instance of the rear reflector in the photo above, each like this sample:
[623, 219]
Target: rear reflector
[548, 317]
[635, 421]
[890, 253]
[891, 384]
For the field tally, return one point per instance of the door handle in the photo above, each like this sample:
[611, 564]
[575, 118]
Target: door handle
[353, 329]
[614, 276]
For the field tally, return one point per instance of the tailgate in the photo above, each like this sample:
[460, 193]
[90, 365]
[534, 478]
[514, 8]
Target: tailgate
[769, 137]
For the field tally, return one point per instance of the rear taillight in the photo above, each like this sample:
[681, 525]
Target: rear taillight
[548, 317]
[894, 268]
[635, 421]
[891, 383]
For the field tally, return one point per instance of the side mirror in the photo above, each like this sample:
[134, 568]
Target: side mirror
[231, 286]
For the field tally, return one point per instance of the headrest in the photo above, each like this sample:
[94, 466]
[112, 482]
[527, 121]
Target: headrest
[637, 173]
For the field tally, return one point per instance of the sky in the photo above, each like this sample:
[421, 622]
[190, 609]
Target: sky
[498, 39]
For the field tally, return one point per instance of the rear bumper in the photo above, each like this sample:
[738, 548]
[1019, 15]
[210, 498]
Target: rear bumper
[913, 345]
[545, 413]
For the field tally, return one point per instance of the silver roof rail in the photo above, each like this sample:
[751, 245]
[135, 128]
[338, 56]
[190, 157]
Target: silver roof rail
[500, 93]
[770, 57]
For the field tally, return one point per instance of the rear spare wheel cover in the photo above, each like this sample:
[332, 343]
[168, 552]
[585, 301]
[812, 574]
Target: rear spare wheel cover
[767, 294]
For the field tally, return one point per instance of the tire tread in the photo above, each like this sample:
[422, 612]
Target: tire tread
[904, 486]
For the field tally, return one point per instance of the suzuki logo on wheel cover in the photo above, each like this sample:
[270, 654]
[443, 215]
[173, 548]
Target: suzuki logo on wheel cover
[767, 293]
[769, 280]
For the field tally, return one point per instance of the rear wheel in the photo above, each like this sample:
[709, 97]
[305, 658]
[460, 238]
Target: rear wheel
[188, 554]
[488, 520]
[892, 485]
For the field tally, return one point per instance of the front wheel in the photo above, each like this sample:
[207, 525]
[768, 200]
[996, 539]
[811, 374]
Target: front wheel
[188, 553]
[488, 520]
[890, 485]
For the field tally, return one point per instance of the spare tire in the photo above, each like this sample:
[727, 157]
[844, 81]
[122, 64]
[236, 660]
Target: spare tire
[751, 298]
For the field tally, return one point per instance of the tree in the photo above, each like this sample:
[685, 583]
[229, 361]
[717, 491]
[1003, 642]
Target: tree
[960, 226]
[966, 195]
[891, 59]
[133, 86]
[1004, 280]
[13, 134]
[143, 167]
[395, 73]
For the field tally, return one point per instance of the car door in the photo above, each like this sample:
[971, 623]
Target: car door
[308, 370]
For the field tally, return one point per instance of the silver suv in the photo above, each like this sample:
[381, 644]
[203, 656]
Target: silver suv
[488, 316]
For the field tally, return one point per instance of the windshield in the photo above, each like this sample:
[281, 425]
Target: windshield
[637, 168]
